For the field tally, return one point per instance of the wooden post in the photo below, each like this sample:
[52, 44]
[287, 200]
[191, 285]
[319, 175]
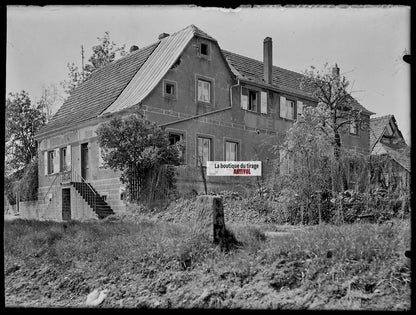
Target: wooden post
[218, 220]
[210, 218]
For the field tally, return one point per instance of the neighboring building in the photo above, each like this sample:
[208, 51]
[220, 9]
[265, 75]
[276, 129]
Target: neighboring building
[387, 140]
[223, 105]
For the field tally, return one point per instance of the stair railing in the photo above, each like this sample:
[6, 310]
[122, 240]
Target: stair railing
[86, 190]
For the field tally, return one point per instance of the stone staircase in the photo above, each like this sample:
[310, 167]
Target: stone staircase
[93, 199]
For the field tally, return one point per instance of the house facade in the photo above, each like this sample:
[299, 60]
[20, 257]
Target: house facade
[224, 106]
[386, 140]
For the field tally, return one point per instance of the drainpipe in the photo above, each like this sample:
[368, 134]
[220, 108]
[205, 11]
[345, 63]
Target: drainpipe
[231, 91]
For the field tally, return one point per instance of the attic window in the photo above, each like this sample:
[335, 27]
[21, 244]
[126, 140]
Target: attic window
[204, 49]
[169, 89]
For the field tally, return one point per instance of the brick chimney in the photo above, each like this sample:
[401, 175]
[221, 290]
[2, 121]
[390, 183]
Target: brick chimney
[134, 48]
[335, 71]
[267, 60]
[163, 35]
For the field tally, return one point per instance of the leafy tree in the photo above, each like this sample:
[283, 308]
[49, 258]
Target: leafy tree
[50, 100]
[102, 54]
[23, 120]
[138, 149]
[338, 110]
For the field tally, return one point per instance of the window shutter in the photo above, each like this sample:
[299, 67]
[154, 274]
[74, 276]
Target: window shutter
[207, 89]
[300, 107]
[244, 98]
[45, 162]
[68, 158]
[199, 90]
[263, 104]
[56, 161]
[282, 106]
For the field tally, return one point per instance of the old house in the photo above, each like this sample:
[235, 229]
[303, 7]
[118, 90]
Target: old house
[223, 105]
[386, 140]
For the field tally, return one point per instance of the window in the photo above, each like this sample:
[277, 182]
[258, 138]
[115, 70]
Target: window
[175, 138]
[204, 151]
[50, 162]
[353, 128]
[249, 99]
[169, 89]
[290, 109]
[231, 151]
[204, 49]
[252, 101]
[204, 91]
[287, 108]
[62, 160]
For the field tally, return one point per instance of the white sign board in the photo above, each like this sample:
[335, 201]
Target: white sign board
[233, 168]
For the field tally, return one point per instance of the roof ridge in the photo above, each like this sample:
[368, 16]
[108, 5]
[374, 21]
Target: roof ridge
[277, 67]
[382, 117]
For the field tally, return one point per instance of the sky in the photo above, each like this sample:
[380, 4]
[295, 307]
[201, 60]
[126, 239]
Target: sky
[367, 43]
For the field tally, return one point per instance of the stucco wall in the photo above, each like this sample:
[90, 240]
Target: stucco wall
[254, 132]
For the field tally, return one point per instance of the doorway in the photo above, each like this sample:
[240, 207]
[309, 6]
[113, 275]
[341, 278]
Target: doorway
[66, 204]
[84, 160]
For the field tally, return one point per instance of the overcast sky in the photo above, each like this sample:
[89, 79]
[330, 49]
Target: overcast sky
[367, 43]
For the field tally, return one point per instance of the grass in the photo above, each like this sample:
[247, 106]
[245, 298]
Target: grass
[153, 263]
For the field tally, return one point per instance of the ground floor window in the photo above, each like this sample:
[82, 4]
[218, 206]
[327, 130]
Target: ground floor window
[204, 151]
[50, 162]
[175, 138]
[62, 159]
[231, 149]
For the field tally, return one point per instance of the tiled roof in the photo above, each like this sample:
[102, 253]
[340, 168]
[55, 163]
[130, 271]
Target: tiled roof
[154, 69]
[252, 70]
[398, 150]
[377, 127]
[285, 80]
[99, 91]
[127, 81]
[399, 153]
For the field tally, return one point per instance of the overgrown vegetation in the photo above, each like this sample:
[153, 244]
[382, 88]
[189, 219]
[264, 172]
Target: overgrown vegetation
[142, 152]
[23, 120]
[151, 263]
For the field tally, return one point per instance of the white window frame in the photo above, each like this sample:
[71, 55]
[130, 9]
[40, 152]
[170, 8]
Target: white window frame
[173, 95]
[261, 100]
[286, 111]
[210, 149]
[237, 145]
[203, 94]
